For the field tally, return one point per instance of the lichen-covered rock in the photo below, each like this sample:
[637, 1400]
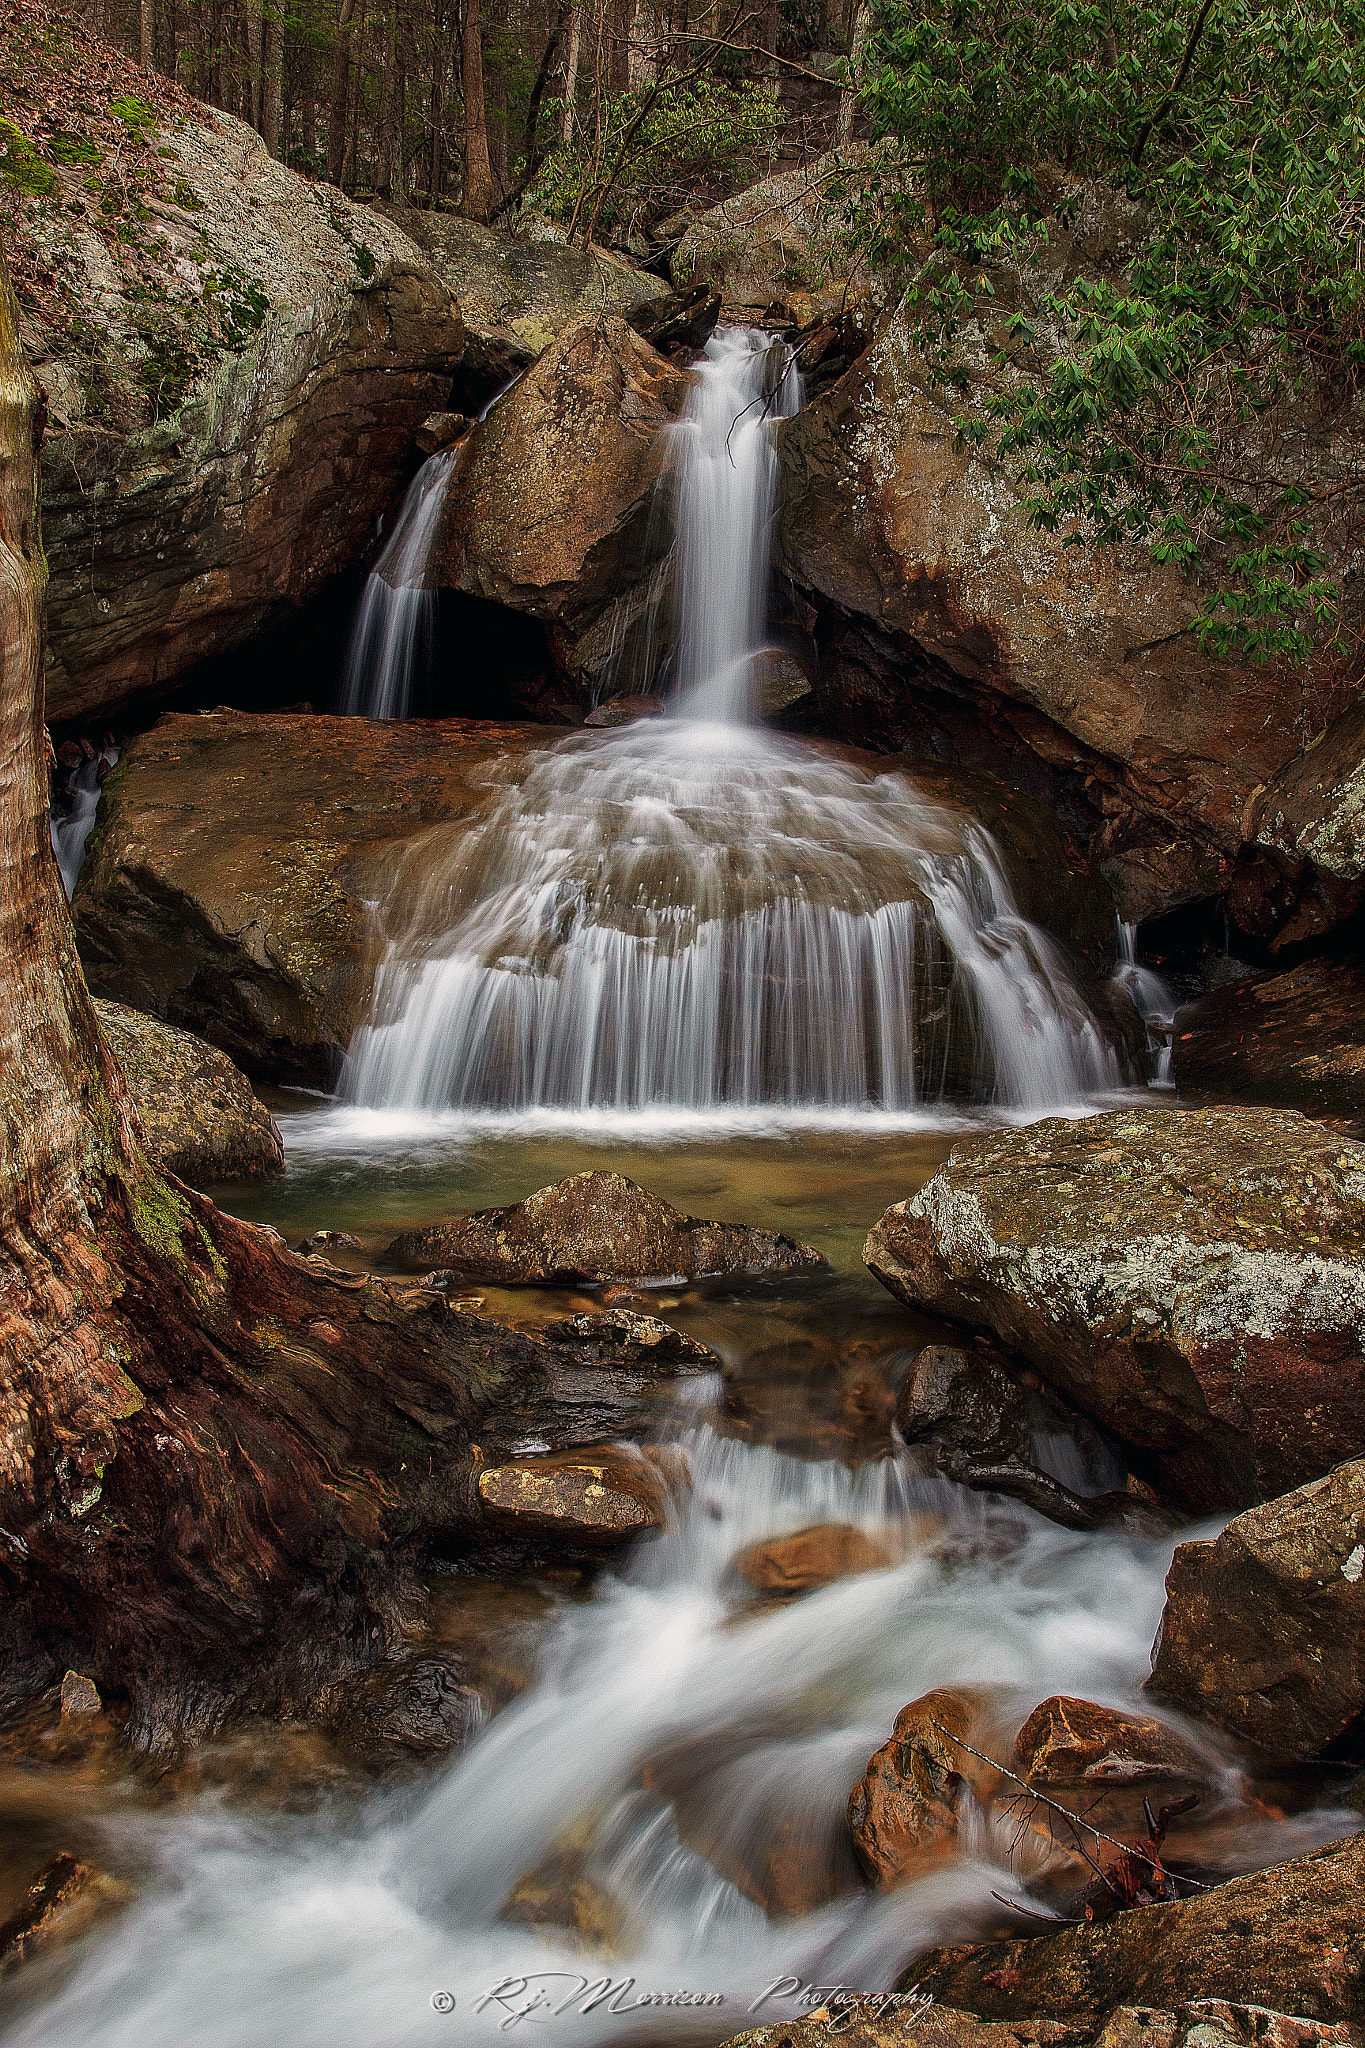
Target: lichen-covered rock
[620, 1336]
[1264, 1629]
[224, 885]
[1193, 1280]
[809, 1558]
[596, 1497]
[904, 2020]
[1296, 1039]
[550, 512]
[198, 1114]
[1290, 1939]
[1075, 1742]
[770, 250]
[905, 1809]
[596, 1226]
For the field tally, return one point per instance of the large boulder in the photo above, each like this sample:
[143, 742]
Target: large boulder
[1264, 1629]
[224, 887]
[1074, 1742]
[948, 622]
[198, 1114]
[1193, 1280]
[596, 1226]
[236, 362]
[773, 251]
[1296, 1038]
[1290, 1938]
[551, 510]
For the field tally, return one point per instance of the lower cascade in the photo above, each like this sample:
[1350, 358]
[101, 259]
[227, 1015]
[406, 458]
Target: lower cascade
[693, 912]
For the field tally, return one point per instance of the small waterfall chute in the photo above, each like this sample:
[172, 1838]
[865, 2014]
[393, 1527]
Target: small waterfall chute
[71, 829]
[1155, 1000]
[394, 636]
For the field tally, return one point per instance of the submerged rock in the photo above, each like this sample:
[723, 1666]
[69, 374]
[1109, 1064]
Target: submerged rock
[597, 1226]
[810, 1558]
[62, 1903]
[198, 1114]
[601, 1497]
[1264, 1629]
[1295, 1039]
[1069, 1741]
[625, 710]
[1193, 1280]
[1291, 1938]
[562, 1892]
[904, 1810]
[224, 886]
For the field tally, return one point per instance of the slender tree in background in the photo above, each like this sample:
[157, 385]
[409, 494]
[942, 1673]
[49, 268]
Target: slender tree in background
[478, 175]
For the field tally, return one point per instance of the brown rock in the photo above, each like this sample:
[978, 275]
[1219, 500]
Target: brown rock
[224, 886]
[1264, 1629]
[80, 1696]
[418, 1704]
[550, 513]
[61, 1903]
[562, 1893]
[1296, 1040]
[199, 1117]
[596, 1226]
[440, 430]
[777, 681]
[597, 1497]
[1193, 1280]
[811, 1557]
[1071, 1741]
[622, 1337]
[1290, 1938]
[904, 1809]
[891, 2020]
[682, 322]
[626, 710]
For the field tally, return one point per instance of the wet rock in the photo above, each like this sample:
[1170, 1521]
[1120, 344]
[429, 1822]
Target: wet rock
[1264, 1629]
[1192, 1280]
[1295, 1039]
[811, 1557]
[777, 681]
[1310, 820]
[562, 1893]
[886, 2020]
[199, 1117]
[904, 1810]
[420, 1705]
[622, 1337]
[80, 1696]
[205, 477]
[63, 1901]
[680, 323]
[1289, 1938]
[550, 510]
[1071, 1741]
[440, 430]
[596, 1226]
[225, 885]
[328, 1241]
[516, 296]
[601, 1497]
[626, 711]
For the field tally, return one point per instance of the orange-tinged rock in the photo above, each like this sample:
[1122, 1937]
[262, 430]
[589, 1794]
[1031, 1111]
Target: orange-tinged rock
[810, 1557]
[904, 1811]
[1072, 1741]
[601, 1495]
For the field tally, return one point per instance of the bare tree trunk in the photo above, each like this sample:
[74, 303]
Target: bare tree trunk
[570, 85]
[436, 166]
[848, 99]
[478, 175]
[255, 38]
[341, 73]
[147, 33]
[619, 15]
[272, 86]
[388, 83]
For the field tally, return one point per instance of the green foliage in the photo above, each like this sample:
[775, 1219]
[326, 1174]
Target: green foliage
[134, 114]
[1182, 393]
[648, 149]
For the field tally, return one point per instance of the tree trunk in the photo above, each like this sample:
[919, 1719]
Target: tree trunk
[214, 1456]
[388, 92]
[146, 33]
[272, 85]
[478, 175]
[341, 73]
[436, 168]
[848, 99]
[620, 16]
[255, 42]
[570, 85]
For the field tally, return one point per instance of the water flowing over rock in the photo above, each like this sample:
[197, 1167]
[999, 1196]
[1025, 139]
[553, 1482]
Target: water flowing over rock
[1264, 1629]
[812, 1557]
[198, 1114]
[1289, 1938]
[391, 641]
[1193, 1280]
[596, 1226]
[906, 1808]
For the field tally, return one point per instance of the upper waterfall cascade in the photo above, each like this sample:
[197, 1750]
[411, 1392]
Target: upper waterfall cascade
[694, 912]
[391, 643]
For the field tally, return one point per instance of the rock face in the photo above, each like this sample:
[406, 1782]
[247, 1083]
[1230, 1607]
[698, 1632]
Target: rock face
[601, 1497]
[596, 1226]
[1296, 1039]
[198, 1114]
[947, 623]
[891, 2020]
[1074, 1742]
[550, 512]
[769, 250]
[625, 1338]
[1289, 1938]
[1264, 1629]
[810, 1558]
[224, 885]
[1193, 1280]
[904, 1810]
[236, 362]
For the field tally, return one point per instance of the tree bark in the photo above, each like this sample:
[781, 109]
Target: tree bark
[146, 33]
[848, 99]
[341, 73]
[570, 85]
[272, 83]
[214, 1455]
[478, 175]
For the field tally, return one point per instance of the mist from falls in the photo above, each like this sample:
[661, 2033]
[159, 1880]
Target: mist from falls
[694, 913]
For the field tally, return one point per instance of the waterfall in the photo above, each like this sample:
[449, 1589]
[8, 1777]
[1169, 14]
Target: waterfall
[391, 645]
[1153, 998]
[70, 832]
[694, 913]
